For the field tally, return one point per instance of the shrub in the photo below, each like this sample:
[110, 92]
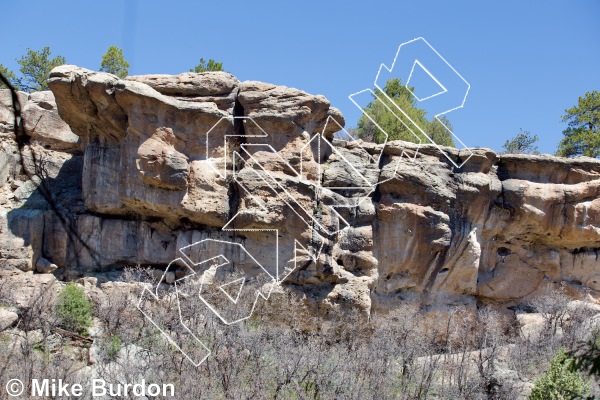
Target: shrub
[560, 381]
[73, 309]
[112, 347]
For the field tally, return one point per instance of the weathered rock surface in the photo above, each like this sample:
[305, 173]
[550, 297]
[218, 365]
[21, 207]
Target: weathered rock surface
[171, 160]
[44, 266]
[42, 123]
[7, 318]
[28, 288]
[219, 88]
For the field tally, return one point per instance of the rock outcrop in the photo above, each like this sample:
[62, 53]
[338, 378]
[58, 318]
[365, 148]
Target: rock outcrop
[145, 166]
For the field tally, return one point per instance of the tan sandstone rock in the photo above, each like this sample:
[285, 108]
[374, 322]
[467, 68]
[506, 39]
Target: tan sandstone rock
[169, 161]
[41, 122]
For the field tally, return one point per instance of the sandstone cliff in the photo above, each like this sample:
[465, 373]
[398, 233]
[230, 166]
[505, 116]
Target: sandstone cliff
[145, 166]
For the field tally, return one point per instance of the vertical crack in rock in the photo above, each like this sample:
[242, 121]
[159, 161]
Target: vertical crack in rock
[436, 266]
[233, 192]
[376, 197]
[238, 123]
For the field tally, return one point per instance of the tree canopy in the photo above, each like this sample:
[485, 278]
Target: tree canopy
[114, 62]
[9, 75]
[560, 381]
[35, 68]
[380, 110]
[582, 136]
[523, 143]
[210, 65]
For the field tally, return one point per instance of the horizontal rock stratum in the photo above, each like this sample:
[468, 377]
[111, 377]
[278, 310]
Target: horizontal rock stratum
[144, 166]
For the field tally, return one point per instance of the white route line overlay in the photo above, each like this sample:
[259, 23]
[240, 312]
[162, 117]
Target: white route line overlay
[437, 116]
[287, 199]
[155, 297]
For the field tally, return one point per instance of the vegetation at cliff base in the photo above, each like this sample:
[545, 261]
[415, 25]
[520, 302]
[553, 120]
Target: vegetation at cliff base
[560, 381]
[73, 309]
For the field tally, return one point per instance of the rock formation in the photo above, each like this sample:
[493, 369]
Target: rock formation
[144, 166]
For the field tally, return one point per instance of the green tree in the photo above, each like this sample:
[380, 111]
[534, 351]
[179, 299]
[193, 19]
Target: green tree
[582, 136]
[73, 309]
[440, 133]
[210, 65]
[560, 381]
[384, 113]
[10, 76]
[114, 62]
[586, 356]
[35, 67]
[523, 143]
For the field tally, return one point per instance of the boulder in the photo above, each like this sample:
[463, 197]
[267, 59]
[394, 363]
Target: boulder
[215, 87]
[44, 266]
[42, 123]
[7, 319]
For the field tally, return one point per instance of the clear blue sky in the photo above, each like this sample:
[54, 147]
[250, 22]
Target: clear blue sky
[526, 61]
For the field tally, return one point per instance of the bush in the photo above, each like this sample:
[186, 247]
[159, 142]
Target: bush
[73, 309]
[523, 143]
[560, 381]
[113, 347]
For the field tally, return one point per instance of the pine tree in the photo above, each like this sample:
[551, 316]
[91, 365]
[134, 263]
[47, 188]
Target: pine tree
[560, 381]
[211, 65]
[582, 136]
[523, 143]
[390, 120]
[35, 67]
[114, 62]
[10, 76]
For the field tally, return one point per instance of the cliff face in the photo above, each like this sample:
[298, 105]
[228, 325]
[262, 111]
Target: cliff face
[146, 166]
